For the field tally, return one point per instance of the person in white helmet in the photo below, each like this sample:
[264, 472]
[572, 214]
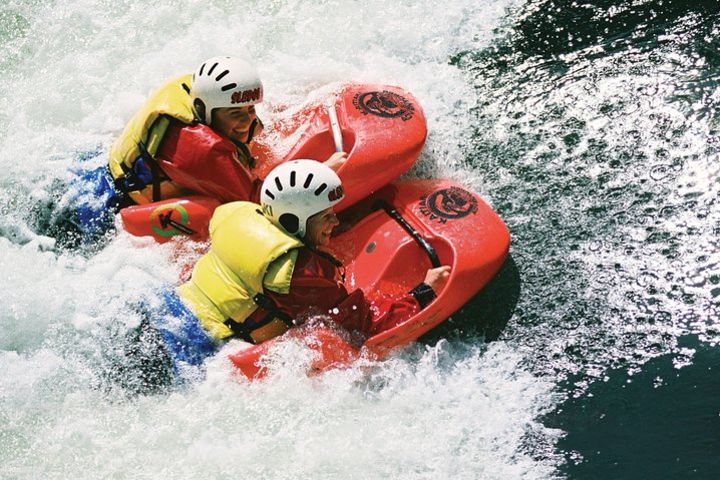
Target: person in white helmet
[266, 268]
[193, 136]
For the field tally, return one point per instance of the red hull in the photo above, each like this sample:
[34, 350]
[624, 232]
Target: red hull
[381, 257]
[383, 131]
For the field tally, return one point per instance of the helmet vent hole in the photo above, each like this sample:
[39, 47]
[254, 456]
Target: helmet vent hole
[320, 189]
[269, 194]
[289, 222]
[292, 178]
[212, 68]
[202, 68]
[278, 184]
[220, 77]
[229, 86]
[308, 180]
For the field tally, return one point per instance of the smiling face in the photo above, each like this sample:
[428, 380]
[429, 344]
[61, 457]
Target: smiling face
[319, 228]
[234, 122]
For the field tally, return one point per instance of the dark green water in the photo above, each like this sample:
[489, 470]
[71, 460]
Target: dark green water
[598, 133]
[659, 423]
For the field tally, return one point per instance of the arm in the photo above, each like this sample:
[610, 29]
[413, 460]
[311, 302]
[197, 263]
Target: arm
[200, 161]
[316, 289]
[225, 177]
[336, 160]
[355, 313]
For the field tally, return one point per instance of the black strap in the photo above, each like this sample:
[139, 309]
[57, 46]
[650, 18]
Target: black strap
[338, 264]
[424, 294]
[128, 182]
[422, 243]
[244, 148]
[265, 302]
[154, 170]
[326, 256]
[123, 199]
[240, 330]
[253, 126]
[245, 152]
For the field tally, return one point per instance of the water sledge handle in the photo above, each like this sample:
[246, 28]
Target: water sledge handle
[424, 244]
[334, 124]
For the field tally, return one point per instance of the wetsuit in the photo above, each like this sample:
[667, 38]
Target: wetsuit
[316, 290]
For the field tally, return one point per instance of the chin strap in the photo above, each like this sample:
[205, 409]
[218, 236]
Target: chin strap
[253, 126]
[244, 147]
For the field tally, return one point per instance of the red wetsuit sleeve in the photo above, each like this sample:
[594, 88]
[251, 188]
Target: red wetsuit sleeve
[199, 160]
[317, 290]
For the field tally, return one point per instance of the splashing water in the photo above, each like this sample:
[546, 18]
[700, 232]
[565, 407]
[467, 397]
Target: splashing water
[74, 72]
[592, 129]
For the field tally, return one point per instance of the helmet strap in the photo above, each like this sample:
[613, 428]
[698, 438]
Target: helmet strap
[251, 132]
[199, 107]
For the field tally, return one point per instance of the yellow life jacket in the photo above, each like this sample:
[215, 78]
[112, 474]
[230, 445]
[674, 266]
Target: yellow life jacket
[148, 126]
[248, 254]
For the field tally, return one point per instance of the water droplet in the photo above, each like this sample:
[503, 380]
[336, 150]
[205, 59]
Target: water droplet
[659, 172]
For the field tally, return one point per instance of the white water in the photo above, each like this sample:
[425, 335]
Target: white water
[73, 73]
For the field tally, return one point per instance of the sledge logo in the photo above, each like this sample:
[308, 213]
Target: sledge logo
[448, 204]
[162, 223]
[384, 104]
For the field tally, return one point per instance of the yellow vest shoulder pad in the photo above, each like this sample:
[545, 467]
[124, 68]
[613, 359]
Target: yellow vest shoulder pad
[172, 99]
[279, 273]
[247, 242]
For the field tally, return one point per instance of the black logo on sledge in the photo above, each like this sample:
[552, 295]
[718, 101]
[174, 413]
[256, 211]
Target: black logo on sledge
[448, 204]
[384, 104]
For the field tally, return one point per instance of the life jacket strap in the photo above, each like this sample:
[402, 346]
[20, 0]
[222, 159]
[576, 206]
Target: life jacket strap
[154, 170]
[338, 264]
[132, 181]
[244, 148]
[253, 126]
[244, 151]
[128, 181]
[239, 330]
[274, 323]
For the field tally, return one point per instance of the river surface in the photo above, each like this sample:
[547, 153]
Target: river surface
[592, 127]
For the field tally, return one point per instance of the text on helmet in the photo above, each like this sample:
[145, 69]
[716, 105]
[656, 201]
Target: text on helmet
[246, 96]
[336, 193]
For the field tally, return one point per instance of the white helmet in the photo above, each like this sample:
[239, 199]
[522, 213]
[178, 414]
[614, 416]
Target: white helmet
[296, 190]
[222, 82]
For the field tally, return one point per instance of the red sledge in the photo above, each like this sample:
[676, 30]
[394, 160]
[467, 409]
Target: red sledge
[381, 127]
[387, 244]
